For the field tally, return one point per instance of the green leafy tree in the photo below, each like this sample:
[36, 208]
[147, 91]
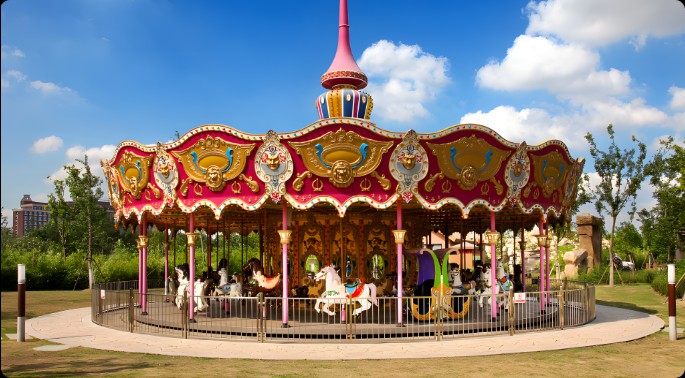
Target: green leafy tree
[627, 238]
[85, 192]
[667, 173]
[584, 196]
[6, 233]
[621, 173]
[60, 214]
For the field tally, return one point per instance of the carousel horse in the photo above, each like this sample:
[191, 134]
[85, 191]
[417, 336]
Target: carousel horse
[232, 289]
[256, 281]
[458, 287]
[202, 289]
[337, 292]
[501, 285]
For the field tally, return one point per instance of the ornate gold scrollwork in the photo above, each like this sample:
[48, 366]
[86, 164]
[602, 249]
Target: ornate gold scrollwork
[184, 186]
[197, 189]
[469, 160]
[341, 156]
[550, 172]
[446, 186]
[385, 183]
[536, 193]
[526, 192]
[317, 185]
[252, 184]
[299, 181]
[235, 187]
[485, 188]
[430, 184]
[155, 191]
[214, 161]
[134, 173]
[365, 185]
[499, 188]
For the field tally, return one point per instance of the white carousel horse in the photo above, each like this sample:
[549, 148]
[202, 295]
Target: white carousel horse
[502, 284]
[225, 288]
[458, 287]
[337, 292]
[183, 282]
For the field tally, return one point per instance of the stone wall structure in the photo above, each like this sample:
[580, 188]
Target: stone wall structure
[590, 238]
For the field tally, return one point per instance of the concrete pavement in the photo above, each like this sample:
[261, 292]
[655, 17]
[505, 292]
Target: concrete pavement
[74, 328]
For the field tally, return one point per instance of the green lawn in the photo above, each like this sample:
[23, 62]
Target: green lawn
[653, 356]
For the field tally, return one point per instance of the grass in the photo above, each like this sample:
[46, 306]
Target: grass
[654, 355]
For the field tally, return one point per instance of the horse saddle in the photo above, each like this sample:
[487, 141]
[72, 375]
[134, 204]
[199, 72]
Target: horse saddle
[353, 289]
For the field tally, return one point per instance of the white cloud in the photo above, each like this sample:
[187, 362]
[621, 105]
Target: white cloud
[599, 23]
[12, 75]
[49, 88]
[625, 114]
[403, 79]
[566, 70]
[677, 98]
[12, 51]
[95, 154]
[7, 213]
[47, 144]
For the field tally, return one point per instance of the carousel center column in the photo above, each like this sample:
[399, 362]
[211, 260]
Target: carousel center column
[192, 236]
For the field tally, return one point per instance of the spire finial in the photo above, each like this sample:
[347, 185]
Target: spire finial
[344, 69]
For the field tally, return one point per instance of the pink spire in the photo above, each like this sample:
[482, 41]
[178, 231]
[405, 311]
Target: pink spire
[344, 69]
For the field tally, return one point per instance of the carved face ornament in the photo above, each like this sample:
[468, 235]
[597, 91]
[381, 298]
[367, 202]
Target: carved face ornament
[213, 178]
[341, 173]
[273, 162]
[409, 161]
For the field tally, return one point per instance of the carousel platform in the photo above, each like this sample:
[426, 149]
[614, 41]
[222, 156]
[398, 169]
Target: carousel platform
[75, 328]
[246, 318]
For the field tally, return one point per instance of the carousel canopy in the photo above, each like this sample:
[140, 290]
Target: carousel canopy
[343, 163]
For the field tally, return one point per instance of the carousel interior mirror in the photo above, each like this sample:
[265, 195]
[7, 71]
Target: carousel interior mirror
[350, 267]
[311, 266]
[377, 266]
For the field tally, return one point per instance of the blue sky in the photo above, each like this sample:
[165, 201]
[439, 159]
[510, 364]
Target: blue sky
[81, 76]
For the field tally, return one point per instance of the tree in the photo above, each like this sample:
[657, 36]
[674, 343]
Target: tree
[60, 213]
[621, 173]
[6, 232]
[85, 192]
[667, 173]
[628, 238]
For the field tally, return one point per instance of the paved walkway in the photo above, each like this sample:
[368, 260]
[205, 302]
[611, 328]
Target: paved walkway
[74, 328]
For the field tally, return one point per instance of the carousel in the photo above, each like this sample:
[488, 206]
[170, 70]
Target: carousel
[345, 193]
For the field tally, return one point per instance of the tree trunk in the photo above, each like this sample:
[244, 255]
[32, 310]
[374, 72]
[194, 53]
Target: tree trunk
[611, 252]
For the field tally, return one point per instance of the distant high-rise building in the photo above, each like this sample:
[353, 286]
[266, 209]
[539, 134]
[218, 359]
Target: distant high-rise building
[32, 215]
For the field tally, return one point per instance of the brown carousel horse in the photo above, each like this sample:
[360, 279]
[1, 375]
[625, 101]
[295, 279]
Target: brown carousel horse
[256, 282]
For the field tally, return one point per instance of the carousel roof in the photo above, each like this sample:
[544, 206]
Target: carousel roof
[344, 163]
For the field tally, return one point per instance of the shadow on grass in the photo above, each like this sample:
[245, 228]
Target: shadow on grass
[627, 306]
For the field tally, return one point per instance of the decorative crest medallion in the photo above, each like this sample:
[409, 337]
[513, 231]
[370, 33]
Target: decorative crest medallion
[409, 165]
[517, 173]
[274, 165]
[468, 160]
[214, 161]
[134, 173]
[113, 187]
[166, 174]
[550, 171]
[341, 156]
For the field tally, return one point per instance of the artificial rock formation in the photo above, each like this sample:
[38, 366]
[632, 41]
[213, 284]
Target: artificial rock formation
[573, 260]
[590, 238]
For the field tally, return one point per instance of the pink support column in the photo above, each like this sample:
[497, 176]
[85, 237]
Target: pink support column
[166, 260]
[140, 266]
[523, 256]
[493, 267]
[547, 283]
[285, 267]
[399, 266]
[143, 243]
[542, 269]
[191, 275]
